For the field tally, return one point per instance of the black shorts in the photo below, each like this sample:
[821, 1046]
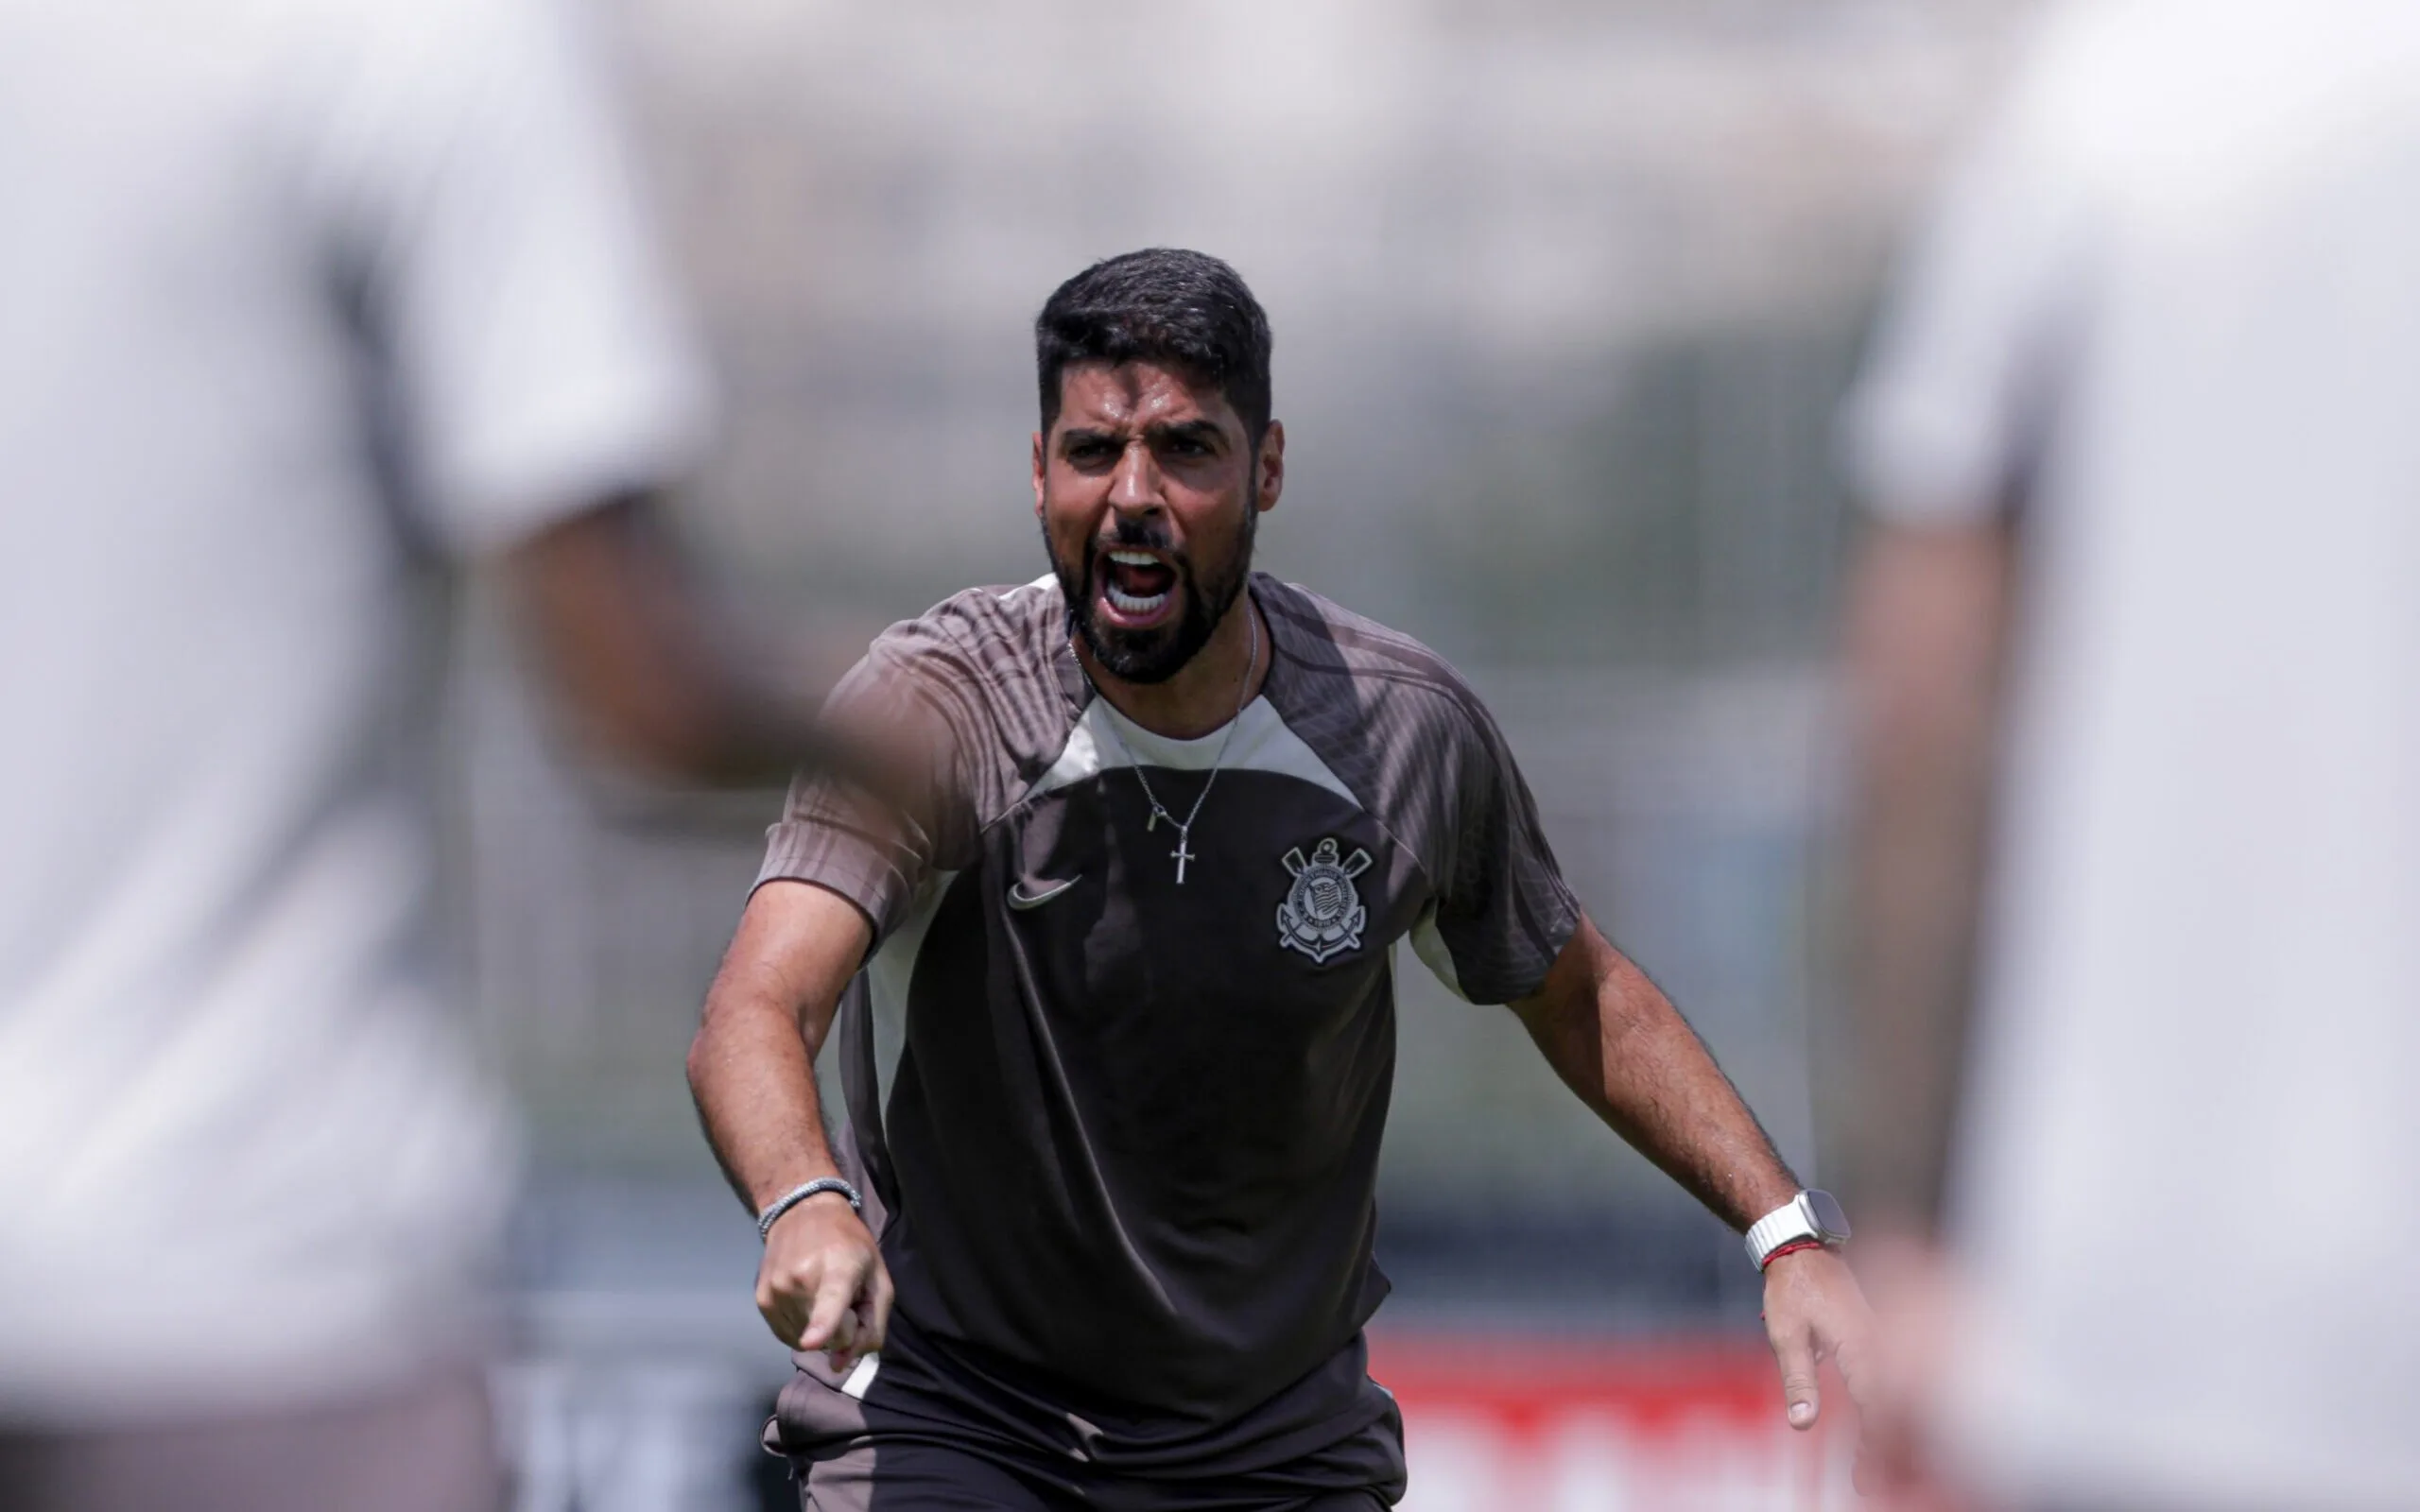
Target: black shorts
[926, 1430]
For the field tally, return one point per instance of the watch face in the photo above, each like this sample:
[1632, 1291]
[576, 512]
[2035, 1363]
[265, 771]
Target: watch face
[1825, 1209]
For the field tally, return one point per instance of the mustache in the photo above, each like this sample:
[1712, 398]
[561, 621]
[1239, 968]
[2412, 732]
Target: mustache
[1135, 535]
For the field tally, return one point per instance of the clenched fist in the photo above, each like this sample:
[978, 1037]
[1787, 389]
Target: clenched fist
[822, 1285]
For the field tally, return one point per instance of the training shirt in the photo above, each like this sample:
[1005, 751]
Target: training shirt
[2176, 292]
[302, 302]
[1124, 1131]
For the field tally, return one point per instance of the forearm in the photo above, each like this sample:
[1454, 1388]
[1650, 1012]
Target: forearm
[822, 1284]
[754, 1080]
[751, 1067]
[647, 666]
[1911, 993]
[1924, 648]
[1617, 1042]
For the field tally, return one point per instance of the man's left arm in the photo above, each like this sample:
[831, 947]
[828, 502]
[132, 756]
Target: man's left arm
[1617, 1042]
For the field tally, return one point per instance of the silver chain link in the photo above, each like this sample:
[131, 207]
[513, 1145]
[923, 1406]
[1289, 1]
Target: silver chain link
[1159, 811]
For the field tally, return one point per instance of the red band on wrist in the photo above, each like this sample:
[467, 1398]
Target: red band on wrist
[1791, 1248]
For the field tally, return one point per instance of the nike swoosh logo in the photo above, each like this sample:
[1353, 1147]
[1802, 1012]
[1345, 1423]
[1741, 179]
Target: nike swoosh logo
[1021, 900]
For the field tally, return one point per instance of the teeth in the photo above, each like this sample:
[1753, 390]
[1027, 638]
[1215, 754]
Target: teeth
[1128, 604]
[1135, 558]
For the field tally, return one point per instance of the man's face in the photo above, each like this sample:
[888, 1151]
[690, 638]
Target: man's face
[1148, 489]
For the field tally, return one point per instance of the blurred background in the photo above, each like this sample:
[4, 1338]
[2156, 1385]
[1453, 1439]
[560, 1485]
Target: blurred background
[1565, 296]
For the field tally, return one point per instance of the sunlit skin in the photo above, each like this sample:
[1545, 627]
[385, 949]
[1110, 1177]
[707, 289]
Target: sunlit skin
[1141, 444]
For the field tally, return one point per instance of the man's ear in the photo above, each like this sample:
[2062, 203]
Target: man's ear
[1272, 481]
[1037, 475]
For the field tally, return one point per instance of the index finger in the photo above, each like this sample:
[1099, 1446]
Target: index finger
[833, 1291]
[1795, 1353]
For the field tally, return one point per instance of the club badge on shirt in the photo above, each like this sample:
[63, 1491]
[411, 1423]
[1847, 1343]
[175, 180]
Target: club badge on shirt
[1322, 915]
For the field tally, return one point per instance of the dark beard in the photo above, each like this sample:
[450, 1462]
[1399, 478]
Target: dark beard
[1155, 655]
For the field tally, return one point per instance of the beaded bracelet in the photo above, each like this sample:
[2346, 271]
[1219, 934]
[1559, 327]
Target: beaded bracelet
[791, 1198]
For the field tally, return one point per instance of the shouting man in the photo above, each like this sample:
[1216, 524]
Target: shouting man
[1115, 988]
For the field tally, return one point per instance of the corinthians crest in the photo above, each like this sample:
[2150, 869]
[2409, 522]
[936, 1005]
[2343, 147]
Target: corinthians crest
[1322, 915]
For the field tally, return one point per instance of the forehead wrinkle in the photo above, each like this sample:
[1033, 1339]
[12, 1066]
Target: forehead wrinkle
[1128, 397]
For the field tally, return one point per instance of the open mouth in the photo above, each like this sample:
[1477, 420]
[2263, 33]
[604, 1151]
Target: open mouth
[1137, 589]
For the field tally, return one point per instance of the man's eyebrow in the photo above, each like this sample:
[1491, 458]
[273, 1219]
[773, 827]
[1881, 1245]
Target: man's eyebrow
[1185, 430]
[1078, 435]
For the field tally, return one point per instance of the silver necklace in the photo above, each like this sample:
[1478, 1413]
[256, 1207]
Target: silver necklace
[1184, 852]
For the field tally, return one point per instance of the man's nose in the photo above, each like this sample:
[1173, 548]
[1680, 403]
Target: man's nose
[1134, 485]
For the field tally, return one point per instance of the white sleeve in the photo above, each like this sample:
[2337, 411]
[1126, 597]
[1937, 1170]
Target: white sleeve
[539, 361]
[1962, 381]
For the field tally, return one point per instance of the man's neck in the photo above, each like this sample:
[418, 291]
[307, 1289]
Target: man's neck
[1206, 692]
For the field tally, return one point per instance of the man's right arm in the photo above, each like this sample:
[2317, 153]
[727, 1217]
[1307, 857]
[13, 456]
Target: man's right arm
[752, 1069]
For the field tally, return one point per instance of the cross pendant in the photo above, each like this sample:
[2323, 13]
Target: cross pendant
[1182, 853]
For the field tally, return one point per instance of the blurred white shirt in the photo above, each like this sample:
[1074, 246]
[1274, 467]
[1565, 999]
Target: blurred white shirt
[299, 301]
[2175, 294]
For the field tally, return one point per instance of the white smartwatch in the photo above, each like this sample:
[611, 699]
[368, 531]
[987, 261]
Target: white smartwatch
[1808, 1215]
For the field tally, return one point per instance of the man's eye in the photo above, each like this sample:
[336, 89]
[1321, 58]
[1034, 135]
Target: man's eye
[1087, 452]
[1188, 445]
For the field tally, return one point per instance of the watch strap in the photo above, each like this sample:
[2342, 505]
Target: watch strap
[1788, 1221]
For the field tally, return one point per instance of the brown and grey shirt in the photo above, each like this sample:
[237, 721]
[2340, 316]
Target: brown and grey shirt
[1123, 1133]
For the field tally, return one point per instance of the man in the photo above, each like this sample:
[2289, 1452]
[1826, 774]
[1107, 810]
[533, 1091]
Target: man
[310, 306]
[1118, 1030]
[2135, 658]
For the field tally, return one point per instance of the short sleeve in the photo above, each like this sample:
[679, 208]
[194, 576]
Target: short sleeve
[1959, 388]
[535, 355]
[877, 855]
[1501, 913]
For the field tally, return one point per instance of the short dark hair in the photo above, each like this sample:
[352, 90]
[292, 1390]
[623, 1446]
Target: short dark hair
[1185, 310]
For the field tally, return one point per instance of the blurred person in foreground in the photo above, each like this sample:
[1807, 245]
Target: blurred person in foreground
[309, 306]
[2137, 654]
[1117, 1013]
